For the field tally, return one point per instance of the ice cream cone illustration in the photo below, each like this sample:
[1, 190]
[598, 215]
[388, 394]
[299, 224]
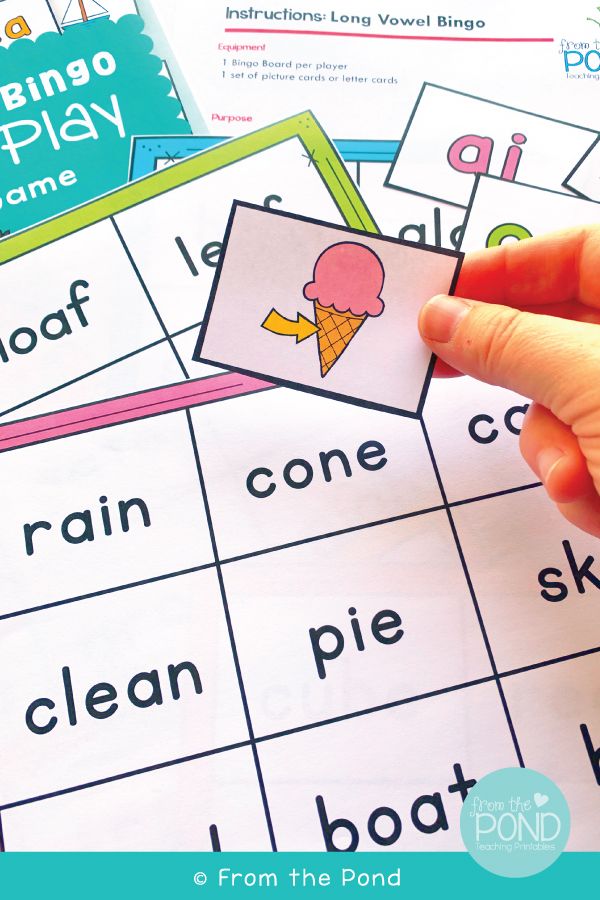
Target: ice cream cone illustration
[347, 281]
[336, 330]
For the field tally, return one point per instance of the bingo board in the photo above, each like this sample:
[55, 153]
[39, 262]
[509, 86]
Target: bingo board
[239, 617]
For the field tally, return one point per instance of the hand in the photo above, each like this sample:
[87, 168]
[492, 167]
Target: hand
[530, 324]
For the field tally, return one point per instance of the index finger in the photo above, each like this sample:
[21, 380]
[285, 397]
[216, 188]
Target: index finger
[560, 267]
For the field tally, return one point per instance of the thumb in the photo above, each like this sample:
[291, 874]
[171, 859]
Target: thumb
[551, 360]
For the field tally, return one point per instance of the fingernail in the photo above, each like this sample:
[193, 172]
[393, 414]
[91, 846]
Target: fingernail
[440, 317]
[547, 460]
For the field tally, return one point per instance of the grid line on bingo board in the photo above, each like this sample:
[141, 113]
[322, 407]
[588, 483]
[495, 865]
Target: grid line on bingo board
[157, 343]
[474, 600]
[278, 735]
[254, 740]
[148, 295]
[350, 529]
[234, 652]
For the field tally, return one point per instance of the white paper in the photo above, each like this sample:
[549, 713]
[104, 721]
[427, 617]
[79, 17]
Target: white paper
[500, 212]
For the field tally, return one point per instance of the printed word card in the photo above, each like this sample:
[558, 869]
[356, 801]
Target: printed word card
[500, 212]
[451, 137]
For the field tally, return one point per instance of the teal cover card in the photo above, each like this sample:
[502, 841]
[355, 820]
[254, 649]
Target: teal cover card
[69, 106]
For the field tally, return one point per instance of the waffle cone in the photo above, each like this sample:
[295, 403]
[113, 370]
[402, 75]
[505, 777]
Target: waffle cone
[336, 330]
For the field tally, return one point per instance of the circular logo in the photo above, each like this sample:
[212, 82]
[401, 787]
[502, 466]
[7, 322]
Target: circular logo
[515, 822]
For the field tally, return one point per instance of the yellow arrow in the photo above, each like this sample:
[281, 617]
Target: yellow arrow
[300, 328]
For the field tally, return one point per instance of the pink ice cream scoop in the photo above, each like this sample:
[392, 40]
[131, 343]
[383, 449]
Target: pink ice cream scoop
[348, 277]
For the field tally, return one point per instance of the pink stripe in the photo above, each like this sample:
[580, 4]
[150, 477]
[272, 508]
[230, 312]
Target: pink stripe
[392, 37]
[126, 409]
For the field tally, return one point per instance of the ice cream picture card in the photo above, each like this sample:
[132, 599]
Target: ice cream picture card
[324, 308]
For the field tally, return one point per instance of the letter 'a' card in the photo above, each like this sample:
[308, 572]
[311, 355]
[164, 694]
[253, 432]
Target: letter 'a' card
[451, 137]
[324, 309]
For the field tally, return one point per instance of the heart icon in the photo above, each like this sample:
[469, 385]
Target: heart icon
[540, 799]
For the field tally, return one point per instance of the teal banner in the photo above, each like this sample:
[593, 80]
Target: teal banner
[69, 106]
[170, 876]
